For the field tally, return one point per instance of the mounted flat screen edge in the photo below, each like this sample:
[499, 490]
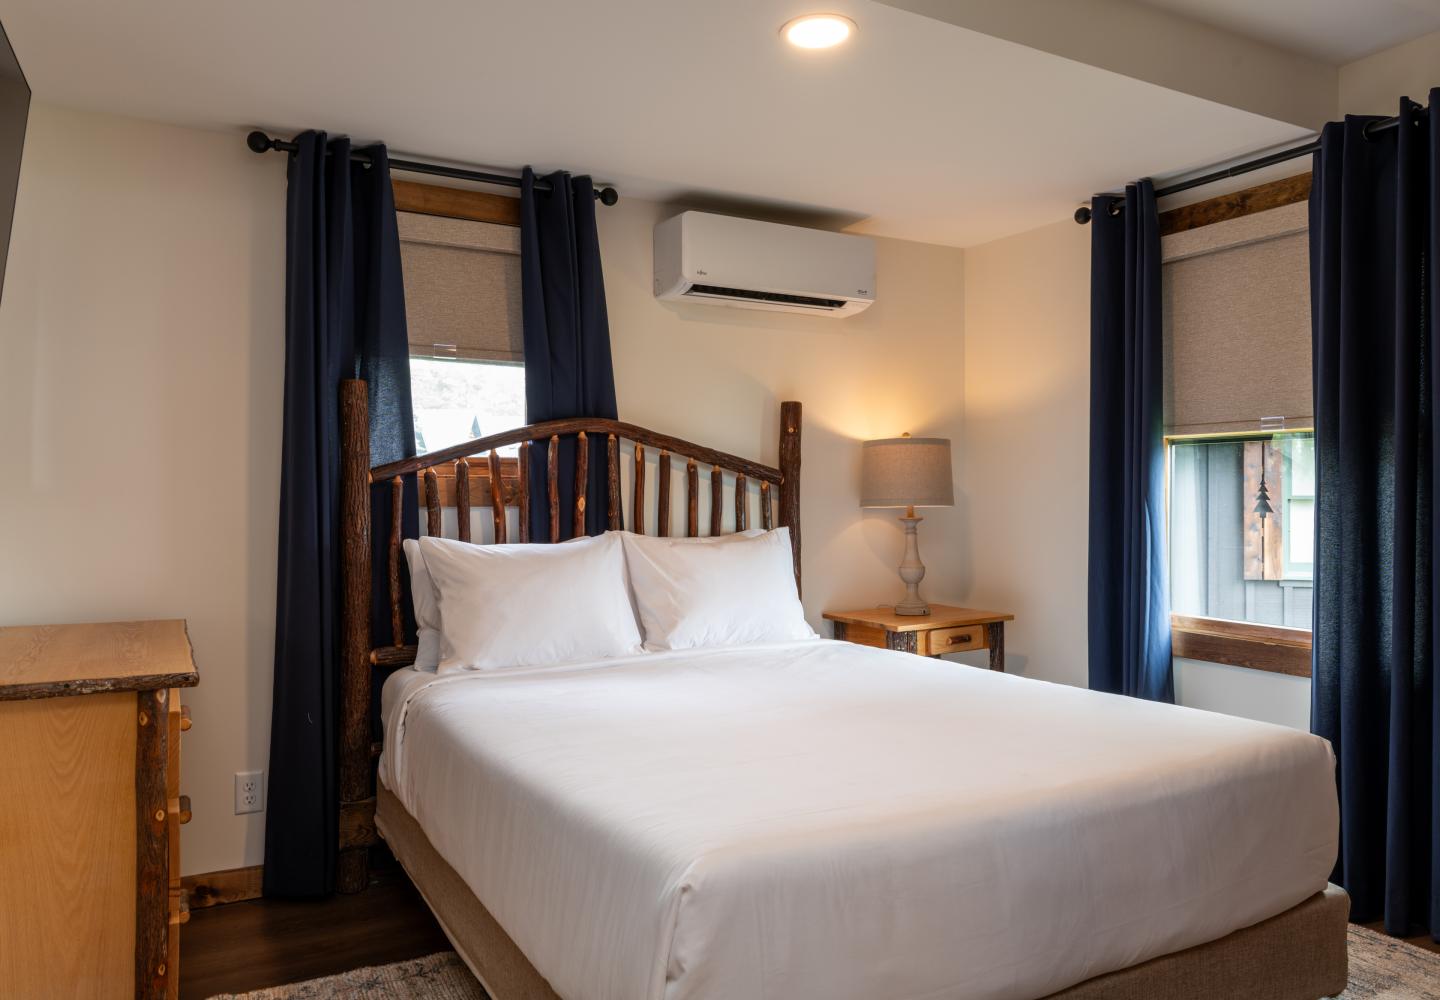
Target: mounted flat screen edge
[14, 113]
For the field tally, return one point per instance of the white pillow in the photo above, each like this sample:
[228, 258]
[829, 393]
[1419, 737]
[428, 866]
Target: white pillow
[427, 608]
[526, 605]
[715, 591]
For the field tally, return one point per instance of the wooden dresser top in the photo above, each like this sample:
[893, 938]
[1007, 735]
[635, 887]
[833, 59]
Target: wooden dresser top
[46, 661]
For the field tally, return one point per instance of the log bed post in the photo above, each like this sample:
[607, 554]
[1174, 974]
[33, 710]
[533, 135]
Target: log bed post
[790, 478]
[351, 869]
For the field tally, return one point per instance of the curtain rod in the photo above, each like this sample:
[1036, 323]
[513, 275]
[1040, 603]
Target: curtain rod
[1082, 214]
[259, 142]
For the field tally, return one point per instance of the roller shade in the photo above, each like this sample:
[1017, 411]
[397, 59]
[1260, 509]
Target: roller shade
[462, 288]
[1237, 324]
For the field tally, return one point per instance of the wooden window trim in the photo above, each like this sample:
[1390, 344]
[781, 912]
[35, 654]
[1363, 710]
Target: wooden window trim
[456, 203]
[1260, 198]
[479, 482]
[1272, 648]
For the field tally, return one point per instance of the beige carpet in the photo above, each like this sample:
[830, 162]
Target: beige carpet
[1381, 968]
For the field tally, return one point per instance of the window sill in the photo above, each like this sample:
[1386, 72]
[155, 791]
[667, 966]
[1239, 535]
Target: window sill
[1242, 644]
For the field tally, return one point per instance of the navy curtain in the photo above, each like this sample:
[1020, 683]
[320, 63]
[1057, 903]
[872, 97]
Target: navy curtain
[344, 317]
[1129, 612]
[568, 372]
[1374, 245]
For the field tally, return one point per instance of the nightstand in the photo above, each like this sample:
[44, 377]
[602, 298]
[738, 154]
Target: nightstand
[946, 629]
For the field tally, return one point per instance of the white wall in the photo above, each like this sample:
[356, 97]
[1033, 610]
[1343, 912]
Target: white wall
[1375, 84]
[717, 375]
[141, 364]
[141, 353]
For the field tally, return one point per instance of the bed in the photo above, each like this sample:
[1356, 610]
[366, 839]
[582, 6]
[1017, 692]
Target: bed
[818, 819]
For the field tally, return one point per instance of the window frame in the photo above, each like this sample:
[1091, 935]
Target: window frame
[1276, 649]
[471, 206]
[1272, 648]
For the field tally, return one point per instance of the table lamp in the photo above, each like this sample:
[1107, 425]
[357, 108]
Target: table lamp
[907, 472]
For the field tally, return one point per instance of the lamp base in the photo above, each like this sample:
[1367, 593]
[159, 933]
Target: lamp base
[912, 570]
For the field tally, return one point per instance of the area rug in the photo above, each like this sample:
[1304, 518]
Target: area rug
[1381, 968]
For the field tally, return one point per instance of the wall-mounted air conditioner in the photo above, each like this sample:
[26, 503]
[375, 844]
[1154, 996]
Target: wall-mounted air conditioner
[719, 260]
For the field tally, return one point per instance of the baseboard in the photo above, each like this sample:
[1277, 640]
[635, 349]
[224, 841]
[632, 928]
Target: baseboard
[218, 888]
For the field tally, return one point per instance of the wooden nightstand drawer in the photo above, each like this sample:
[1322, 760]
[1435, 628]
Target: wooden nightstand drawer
[952, 640]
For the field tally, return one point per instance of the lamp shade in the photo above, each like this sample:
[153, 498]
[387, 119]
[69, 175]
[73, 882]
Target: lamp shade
[905, 472]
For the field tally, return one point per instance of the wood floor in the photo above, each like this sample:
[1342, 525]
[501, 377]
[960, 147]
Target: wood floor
[267, 942]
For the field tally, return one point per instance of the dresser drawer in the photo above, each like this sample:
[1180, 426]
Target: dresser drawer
[953, 640]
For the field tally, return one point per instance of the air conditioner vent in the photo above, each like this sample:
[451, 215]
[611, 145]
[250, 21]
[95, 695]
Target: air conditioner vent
[719, 260]
[806, 301]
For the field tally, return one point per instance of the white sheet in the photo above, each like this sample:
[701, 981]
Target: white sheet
[823, 820]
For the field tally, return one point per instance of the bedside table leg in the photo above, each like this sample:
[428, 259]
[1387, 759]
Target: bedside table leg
[906, 642]
[995, 637]
[839, 629]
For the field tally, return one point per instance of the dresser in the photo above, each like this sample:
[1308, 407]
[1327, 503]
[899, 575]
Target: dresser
[90, 808]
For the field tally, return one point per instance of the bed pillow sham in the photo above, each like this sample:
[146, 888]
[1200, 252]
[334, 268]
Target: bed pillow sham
[427, 608]
[725, 591]
[529, 605]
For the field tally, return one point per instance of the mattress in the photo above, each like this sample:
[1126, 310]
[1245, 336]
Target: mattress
[820, 819]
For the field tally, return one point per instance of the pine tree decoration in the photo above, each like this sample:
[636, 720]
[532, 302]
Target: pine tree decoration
[1262, 499]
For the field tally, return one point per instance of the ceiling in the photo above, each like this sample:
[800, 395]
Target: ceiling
[916, 129]
[1338, 31]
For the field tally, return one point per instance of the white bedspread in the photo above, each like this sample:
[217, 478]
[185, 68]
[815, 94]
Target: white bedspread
[822, 820]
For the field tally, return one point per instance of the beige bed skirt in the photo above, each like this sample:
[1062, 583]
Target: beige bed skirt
[1297, 955]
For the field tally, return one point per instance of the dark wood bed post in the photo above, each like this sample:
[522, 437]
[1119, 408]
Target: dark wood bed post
[790, 478]
[352, 869]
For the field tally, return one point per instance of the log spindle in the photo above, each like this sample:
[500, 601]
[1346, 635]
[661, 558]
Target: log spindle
[767, 513]
[662, 497]
[397, 510]
[637, 499]
[717, 499]
[523, 484]
[582, 483]
[462, 499]
[552, 484]
[434, 522]
[497, 496]
[790, 478]
[692, 495]
[742, 502]
[612, 481]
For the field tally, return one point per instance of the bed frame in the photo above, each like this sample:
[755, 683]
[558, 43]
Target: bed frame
[446, 479]
[1297, 955]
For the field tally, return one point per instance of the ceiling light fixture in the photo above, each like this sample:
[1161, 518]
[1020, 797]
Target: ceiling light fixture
[818, 31]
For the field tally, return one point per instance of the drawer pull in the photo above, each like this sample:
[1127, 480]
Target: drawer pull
[185, 718]
[184, 813]
[956, 640]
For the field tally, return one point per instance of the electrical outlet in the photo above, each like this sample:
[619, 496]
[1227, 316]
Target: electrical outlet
[249, 792]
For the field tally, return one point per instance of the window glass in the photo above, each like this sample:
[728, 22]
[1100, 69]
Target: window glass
[1242, 526]
[458, 400]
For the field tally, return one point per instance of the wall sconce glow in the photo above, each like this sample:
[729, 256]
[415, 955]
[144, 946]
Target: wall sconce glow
[818, 31]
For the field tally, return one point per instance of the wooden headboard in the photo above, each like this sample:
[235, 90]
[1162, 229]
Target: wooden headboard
[475, 471]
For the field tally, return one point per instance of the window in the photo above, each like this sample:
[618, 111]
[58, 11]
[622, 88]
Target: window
[462, 310]
[1241, 528]
[1241, 475]
[457, 400]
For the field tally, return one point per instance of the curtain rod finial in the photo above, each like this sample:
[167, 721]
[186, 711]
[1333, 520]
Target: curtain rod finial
[259, 142]
[608, 196]
[1082, 214]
